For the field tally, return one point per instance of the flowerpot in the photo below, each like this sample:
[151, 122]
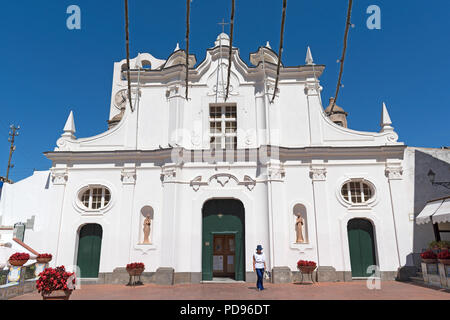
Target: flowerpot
[57, 295]
[17, 263]
[43, 260]
[445, 261]
[307, 269]
[135, 272]
[429, 260]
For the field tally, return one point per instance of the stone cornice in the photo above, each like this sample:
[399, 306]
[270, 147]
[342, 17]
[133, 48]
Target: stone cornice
[284, 154]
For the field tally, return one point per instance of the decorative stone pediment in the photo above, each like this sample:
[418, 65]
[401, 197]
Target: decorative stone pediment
[223, 180]
[217, 82]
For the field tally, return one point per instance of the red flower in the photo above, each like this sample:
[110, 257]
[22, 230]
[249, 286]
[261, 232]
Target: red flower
[445, 254]
[135, 265]
[53, 279]
[303, 263]
[20, 256]
[45, 256]
[428, 255]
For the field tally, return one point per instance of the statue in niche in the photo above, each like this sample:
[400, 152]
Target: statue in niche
[299, 229]
[147, 224]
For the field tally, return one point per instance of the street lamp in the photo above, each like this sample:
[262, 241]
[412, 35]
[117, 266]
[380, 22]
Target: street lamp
[432, 177]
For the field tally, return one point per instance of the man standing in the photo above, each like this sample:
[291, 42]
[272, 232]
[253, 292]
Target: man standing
[259, 265]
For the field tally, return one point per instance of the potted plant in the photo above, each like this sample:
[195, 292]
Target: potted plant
[44, 258]
[433, 245]
[19, 259]
[56, 280]
[444, 245]
[444, 257]
[429, 256]
[135, 268]
[306, 266]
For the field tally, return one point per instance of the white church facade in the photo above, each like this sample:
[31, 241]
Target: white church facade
[191, 186]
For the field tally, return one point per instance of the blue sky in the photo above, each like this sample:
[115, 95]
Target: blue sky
[48, 70]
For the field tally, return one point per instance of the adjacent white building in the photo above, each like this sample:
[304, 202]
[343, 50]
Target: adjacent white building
[217, 177]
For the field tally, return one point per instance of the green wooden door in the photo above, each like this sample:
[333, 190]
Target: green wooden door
[89, 248]
[362, 246]
[223, 217]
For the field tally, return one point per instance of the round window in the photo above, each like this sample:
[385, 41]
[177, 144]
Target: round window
[95, 198]
[357, 192]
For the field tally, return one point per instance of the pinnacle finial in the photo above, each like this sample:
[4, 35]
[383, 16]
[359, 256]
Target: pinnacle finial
[138, 64]
[385, 120]
[309, 59]
[268, 45]
[69, 128]
[177, 47]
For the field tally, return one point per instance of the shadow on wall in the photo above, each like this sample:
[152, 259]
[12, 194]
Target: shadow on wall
[425, 191]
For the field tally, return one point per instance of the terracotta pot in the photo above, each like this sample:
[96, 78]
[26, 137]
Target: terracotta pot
[43, 260]
[17, 263]
[445, 261]
[57, 295]
[135, 272]
[429, 260]
[307, 269]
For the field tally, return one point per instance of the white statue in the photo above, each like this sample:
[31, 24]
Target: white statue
[147, 224]
[299, 229]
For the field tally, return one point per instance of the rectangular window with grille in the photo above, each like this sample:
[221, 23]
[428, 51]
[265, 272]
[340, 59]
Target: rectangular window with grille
[223, 127]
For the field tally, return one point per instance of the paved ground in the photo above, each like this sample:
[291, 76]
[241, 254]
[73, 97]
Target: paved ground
[390, 290]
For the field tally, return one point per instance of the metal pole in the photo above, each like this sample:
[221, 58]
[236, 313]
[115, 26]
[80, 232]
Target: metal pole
[13, 134]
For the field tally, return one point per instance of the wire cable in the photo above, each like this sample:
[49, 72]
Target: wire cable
[280, 51]
[127, 35]
[188, 14]
[341, 71]
[231, 48]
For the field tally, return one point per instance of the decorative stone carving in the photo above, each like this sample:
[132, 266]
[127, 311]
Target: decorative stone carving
[276, 172]
[318, 174]
[270, 88]
[59, 176]
[195, 139]
[394, 173]
[218, 85]
[129, 176]
[62, 144]
[168, 174]
[312, 88]
[173, 91]
[196, 183]
[223, 179]
[248, 182]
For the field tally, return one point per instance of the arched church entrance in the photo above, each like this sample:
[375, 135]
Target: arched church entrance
[89, 249]
[362, 246]
[223, 240]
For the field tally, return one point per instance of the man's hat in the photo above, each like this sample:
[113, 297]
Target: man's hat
[259, 247]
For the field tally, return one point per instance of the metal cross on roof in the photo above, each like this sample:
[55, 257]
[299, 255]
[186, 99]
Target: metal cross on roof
[223, 24]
